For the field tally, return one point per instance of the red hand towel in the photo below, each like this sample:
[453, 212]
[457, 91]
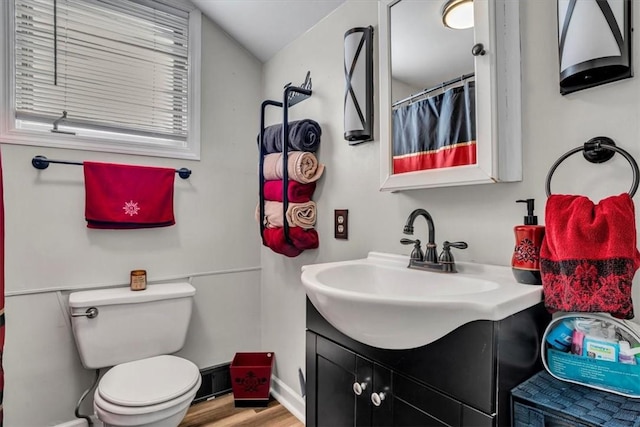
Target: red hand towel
[126, 196]
[297, 192]
[589, 256]
[300, 238]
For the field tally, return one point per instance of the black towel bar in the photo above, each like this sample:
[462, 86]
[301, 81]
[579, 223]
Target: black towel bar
[597, 150]
[41, 162]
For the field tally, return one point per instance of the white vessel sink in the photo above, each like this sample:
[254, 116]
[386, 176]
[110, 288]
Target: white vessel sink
[380, 302]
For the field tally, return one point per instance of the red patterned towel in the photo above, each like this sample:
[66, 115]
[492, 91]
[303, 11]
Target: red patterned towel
[301, 239]
[126, 196]
[589, 255]
[297, 192]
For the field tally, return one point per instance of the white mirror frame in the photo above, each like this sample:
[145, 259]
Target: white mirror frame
[498, 105]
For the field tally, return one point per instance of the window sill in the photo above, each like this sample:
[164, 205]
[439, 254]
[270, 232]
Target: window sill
[77, 142]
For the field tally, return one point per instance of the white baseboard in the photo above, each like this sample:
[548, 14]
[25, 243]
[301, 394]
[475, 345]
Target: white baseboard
[74, 423]
[288, 398]
[80, 422]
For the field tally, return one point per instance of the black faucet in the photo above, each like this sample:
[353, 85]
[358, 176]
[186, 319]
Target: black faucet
[430, 260]
[430, 254]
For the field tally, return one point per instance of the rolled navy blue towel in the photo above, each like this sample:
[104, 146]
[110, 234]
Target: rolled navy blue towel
[304, 135]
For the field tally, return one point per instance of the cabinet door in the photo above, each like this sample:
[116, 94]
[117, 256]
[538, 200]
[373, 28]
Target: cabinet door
[415, 404]
[332, 372]
[400, 402]
[408, 416]
[382, 398]
[385, 399]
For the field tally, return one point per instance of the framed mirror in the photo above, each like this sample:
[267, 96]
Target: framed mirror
[449, 116]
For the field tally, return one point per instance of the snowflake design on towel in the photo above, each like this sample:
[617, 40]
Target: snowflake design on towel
[131, 208]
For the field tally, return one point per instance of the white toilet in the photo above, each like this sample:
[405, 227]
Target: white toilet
[135, 331]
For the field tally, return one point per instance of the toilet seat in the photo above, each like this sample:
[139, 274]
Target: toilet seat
[148, 382]
[180, 378]
[114, 415]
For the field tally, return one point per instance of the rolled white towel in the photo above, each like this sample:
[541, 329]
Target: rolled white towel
[301, 215]
[302, 167]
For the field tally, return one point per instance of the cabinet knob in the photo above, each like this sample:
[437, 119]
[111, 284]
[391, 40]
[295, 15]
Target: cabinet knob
[359, 387]
[377, 398]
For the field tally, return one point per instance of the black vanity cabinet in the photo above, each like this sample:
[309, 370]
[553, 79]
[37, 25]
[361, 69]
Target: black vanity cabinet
[462, 379]
[402, 402]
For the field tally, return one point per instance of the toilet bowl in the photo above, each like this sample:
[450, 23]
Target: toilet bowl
[152, 392]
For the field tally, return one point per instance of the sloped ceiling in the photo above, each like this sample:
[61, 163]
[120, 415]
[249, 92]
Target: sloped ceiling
[264, 27]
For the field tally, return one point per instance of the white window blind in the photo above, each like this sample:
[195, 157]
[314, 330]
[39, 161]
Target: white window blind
[112, 65]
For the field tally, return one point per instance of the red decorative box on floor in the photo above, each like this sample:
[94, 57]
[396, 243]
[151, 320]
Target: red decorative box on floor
[251, 378]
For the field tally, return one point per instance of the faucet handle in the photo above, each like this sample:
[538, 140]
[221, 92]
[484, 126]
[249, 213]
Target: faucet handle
[416, 253]
[457, 245]
[409, 241]
[446, 257]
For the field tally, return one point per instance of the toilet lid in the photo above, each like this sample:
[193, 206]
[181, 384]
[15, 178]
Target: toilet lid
[148, 381]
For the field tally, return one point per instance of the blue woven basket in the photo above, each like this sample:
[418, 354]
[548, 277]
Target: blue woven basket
[543, 400]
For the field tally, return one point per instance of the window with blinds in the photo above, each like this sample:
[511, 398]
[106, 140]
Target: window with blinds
[120, 69]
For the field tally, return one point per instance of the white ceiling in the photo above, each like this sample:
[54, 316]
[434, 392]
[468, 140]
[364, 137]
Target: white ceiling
[264, 27]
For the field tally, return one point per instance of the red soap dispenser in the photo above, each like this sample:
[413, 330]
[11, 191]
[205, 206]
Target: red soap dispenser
[525, 263]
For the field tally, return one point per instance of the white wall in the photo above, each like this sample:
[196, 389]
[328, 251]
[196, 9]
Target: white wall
[482, 215]
[48, 244]
[401, 90]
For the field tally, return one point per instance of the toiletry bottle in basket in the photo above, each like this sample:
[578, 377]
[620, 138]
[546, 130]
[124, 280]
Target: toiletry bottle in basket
[525, 262]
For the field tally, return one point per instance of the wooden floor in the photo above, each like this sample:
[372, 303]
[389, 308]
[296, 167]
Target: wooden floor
[221, 412]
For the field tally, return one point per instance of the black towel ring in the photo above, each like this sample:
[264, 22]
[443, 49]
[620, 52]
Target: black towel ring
[597, 150]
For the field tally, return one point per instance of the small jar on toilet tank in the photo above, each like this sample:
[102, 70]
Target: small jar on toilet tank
[138, 281]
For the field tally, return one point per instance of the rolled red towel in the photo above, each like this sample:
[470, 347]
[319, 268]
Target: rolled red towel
[297, 192]
[589, 256]
[301, 239]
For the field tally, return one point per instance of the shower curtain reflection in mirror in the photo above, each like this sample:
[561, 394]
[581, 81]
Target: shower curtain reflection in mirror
[436, 132]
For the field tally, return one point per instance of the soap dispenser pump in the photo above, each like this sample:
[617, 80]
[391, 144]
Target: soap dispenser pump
[525, 262]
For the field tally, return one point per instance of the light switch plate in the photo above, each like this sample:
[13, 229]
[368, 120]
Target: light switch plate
[340, 224]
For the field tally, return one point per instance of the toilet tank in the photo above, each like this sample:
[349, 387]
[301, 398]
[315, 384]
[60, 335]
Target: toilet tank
[130, 325]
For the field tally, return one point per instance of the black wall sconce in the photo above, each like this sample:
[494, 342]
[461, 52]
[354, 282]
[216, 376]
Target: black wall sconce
[594, 39]
[358, 93]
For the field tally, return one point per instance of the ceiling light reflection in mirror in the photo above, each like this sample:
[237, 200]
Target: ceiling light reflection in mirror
[458, 14]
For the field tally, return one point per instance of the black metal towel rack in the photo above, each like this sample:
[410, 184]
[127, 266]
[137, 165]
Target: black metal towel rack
[41, 162]
[597, 150]
[292, 96]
